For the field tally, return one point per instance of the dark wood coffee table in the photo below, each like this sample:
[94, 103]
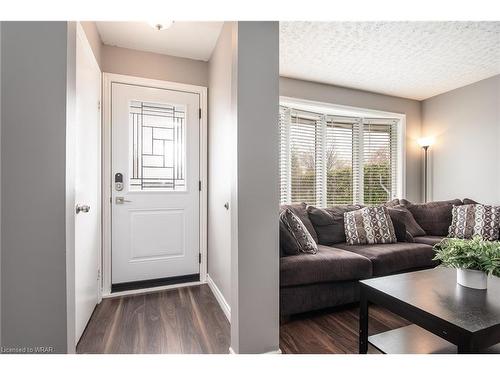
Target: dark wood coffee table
[447, 317]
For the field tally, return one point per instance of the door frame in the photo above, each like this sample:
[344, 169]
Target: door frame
[108, 80]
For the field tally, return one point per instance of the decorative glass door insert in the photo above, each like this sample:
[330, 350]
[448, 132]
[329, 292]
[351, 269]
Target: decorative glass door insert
[157, 147]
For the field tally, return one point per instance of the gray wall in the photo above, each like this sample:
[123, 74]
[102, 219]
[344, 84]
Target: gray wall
[126, 61]
[34, 90]
[255, 199]
[351, 97]
[465, 159]
[219, 163]
[153, 65]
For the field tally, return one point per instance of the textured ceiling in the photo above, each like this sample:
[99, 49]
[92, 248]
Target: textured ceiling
[194, 40]
[409, 59]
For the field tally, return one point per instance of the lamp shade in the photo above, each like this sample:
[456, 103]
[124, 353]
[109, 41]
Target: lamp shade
[425, 142]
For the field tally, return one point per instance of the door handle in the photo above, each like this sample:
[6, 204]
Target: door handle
[121, 200]
[82, 208]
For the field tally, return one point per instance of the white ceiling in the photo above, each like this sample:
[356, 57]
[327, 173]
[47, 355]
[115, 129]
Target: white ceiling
[194, 40]
[409, 59]
[415, 60]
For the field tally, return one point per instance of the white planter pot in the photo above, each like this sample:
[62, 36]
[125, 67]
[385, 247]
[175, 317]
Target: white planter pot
[472, 278]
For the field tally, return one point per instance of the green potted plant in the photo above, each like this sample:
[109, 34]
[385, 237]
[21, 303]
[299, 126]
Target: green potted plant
[474, 259]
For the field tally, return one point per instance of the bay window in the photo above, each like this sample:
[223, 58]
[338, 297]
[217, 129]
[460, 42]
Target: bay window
[328, 159]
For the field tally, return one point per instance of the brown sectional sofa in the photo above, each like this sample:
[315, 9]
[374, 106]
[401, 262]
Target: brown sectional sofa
[331, 277]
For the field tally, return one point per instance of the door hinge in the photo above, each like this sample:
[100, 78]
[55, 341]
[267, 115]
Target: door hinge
[199, 258]
[98, 275]
[199, 185]
[199, 113]
[98, 105]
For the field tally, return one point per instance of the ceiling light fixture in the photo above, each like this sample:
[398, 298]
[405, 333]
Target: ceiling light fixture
[162, 25]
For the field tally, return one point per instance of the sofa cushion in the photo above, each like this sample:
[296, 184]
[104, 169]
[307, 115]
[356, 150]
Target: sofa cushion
[329, 222]
[300, 209]
[433, 217]
[401, 213]
[299, 232]
[369, 225]
[393, 258]
[475, 220]
[329, 264]
[301, 298]
[428, 240]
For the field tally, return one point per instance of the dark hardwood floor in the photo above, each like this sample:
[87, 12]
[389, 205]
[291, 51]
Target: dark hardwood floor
[183, 320]
[333, 331]
[189, 320]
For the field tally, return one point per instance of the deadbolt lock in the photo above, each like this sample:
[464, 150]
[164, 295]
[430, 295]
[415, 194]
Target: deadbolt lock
[118, 182]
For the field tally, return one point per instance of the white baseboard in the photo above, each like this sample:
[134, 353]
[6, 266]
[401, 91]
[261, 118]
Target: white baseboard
[219, 297]
[278, 351]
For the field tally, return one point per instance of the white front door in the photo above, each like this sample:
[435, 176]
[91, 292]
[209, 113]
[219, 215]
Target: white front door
[155, 183]
[87, 182]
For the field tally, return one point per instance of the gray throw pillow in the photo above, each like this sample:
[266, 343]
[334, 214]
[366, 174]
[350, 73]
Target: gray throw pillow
[470, 201]
[329, 222]
[475, 220]
[409, 237]
[303, 239]
[288, 245]
[391, 203]
[369, 225]
[399, 230]
[433, 217]
[401, 213]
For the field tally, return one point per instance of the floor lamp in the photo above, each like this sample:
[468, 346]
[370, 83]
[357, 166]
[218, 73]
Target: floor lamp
[425, 143]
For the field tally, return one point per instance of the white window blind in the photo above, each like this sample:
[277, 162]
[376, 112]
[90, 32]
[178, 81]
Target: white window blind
[379, 160]
[301, 178]
[327, 160]
[340, 160]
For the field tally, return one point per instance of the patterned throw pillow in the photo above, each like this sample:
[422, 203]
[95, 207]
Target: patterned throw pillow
[369, 225]
[299, 232]
[475, 220]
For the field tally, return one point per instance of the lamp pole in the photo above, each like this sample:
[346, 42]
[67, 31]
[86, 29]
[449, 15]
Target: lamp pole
[425, 172]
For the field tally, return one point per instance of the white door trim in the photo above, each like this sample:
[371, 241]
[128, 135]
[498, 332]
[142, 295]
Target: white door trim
[108, 79]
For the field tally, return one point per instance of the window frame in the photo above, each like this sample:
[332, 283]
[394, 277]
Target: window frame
[349, 111]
